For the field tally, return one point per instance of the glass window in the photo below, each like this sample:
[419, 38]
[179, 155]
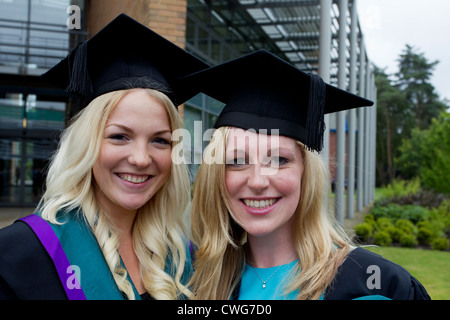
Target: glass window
[214, 105]
[34, 33]
[22, 169]
[14, 9]
[29, 131]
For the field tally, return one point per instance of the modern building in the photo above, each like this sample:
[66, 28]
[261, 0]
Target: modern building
[320, 36]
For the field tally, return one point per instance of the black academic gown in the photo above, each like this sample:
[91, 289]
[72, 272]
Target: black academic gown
[26, 270]
[366, 275]
[29, 272]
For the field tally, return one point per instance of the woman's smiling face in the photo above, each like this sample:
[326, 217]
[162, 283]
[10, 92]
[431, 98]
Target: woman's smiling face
[135, 154]
[263, 180]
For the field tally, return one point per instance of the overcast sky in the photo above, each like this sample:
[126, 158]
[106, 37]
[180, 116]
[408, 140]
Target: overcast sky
[388, 25]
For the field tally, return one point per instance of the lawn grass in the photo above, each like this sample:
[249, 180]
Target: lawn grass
[430, 267]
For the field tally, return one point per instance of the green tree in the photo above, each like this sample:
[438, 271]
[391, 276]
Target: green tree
[414, 74]
[427, 155]
[393, 118]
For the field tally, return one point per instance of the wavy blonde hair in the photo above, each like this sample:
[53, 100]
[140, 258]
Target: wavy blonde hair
[320, 244]
[158, 231]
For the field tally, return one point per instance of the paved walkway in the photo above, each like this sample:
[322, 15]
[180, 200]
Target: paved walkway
[349, 224]
[9, 215]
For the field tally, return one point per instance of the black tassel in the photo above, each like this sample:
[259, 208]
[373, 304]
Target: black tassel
[315, 121]
[80, 81]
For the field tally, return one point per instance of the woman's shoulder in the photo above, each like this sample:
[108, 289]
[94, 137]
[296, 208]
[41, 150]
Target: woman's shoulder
[365, 274]
[15, 240]
[24, 263]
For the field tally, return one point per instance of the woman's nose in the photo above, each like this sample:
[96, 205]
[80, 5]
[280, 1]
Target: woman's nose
[140, 155]
[257, 180]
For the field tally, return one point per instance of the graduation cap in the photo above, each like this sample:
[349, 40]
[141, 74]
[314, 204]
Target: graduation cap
[125, 54]
[262, 91]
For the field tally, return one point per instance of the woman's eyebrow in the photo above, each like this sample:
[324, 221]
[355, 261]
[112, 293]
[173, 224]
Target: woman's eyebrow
[121, 126]
[128, 129]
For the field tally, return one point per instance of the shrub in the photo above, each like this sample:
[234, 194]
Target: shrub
[383, 223]
[391, 211]
[406, 226]
[395, 212]
[395, 233]
[382, 238]
[401, 188]
[408, 240]
[364, 231]
[369, 218]
[413, 213]
[425, 198]
[425, 235]
[439, 244]
[440, 217]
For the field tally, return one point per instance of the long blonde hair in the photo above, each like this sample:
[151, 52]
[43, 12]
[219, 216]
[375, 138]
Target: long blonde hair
[320, 245]
[158, 231]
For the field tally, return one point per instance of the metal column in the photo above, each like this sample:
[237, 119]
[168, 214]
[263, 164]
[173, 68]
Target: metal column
[367, 133]
[324, 65]
[361, 111]
[352, 114]
[374, 141]
[340, 116]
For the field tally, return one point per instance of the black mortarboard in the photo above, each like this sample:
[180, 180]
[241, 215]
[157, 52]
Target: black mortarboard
[262, 91]
[126, 54]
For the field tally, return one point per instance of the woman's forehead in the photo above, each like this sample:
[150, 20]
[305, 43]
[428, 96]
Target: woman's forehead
[239, 138]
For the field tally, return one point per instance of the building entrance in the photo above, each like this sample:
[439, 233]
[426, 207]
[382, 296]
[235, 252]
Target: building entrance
[29, 134]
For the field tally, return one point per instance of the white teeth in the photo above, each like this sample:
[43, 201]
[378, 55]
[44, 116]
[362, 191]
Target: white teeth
[133, 179]
[259, 204]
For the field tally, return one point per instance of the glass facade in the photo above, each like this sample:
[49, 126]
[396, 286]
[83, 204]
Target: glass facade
[200, 114]
[28, 136]
[33, 37]
[34, 34]
[213, 46]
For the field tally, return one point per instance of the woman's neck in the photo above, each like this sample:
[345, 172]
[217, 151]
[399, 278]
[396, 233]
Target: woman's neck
[270, 251]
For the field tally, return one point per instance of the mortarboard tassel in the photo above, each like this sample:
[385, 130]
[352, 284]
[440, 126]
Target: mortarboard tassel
[315, 123]
[80, 81]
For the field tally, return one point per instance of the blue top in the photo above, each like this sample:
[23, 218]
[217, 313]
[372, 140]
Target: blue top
[355, 279]
[252, 285]
[276, 278]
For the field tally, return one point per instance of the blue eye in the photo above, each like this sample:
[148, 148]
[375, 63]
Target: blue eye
[278, 161]
[162, 141]
[118, 137]
[236, 162]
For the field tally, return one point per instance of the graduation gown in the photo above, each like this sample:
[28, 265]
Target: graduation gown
[367, 276]
[43, 261]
